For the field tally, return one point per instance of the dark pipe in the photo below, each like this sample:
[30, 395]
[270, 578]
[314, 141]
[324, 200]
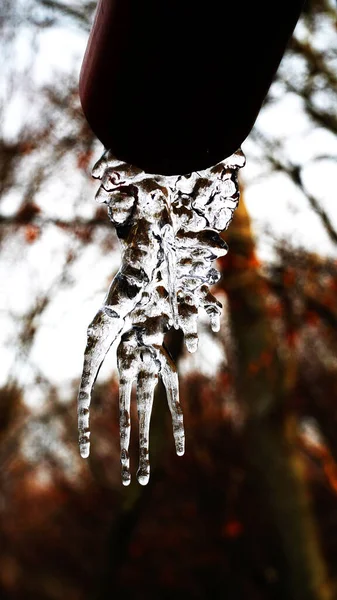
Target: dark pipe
[174, 86]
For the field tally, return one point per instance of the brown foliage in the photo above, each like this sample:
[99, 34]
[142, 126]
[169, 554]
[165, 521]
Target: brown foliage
[250, 511]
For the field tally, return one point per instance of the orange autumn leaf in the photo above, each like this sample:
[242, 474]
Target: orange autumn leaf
[84, 159]
[232, 529]
[311, 318]
[289, 278]
[253, 368]
[27, 147]
[32, 232]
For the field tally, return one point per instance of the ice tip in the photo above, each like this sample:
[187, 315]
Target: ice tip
[180, 445]
[85, 450]
[215, 326]
[84, 444]
[143, 478]
[191, 343]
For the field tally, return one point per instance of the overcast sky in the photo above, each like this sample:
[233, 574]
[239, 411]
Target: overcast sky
[273, 203]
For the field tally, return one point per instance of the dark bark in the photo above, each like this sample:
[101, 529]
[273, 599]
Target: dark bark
[266, 377]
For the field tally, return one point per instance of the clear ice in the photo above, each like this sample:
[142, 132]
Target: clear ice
[169, 231]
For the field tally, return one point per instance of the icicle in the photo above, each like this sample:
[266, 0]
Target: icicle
[168, 228]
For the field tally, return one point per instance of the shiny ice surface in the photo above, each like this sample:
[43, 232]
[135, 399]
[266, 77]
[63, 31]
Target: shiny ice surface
[169, 230]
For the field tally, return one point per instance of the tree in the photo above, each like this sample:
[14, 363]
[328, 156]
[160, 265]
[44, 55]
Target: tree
[249, 511]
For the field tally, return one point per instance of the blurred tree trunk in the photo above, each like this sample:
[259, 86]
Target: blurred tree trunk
[266, 376]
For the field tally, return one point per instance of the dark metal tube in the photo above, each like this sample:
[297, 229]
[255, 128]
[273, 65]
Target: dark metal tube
[174, 86]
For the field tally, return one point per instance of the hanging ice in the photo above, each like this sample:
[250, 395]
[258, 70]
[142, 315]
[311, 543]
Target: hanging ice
[168, 227]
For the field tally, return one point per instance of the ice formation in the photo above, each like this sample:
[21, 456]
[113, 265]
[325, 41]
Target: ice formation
[169, 230]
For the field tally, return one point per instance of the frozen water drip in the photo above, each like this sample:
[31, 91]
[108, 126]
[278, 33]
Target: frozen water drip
[169, 231]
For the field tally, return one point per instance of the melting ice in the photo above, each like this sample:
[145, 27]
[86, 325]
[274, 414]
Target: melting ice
[169, 231]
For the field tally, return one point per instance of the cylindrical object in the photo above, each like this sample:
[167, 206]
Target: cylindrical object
[174, 86]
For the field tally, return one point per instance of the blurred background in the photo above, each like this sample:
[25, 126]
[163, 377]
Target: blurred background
[250, 511]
